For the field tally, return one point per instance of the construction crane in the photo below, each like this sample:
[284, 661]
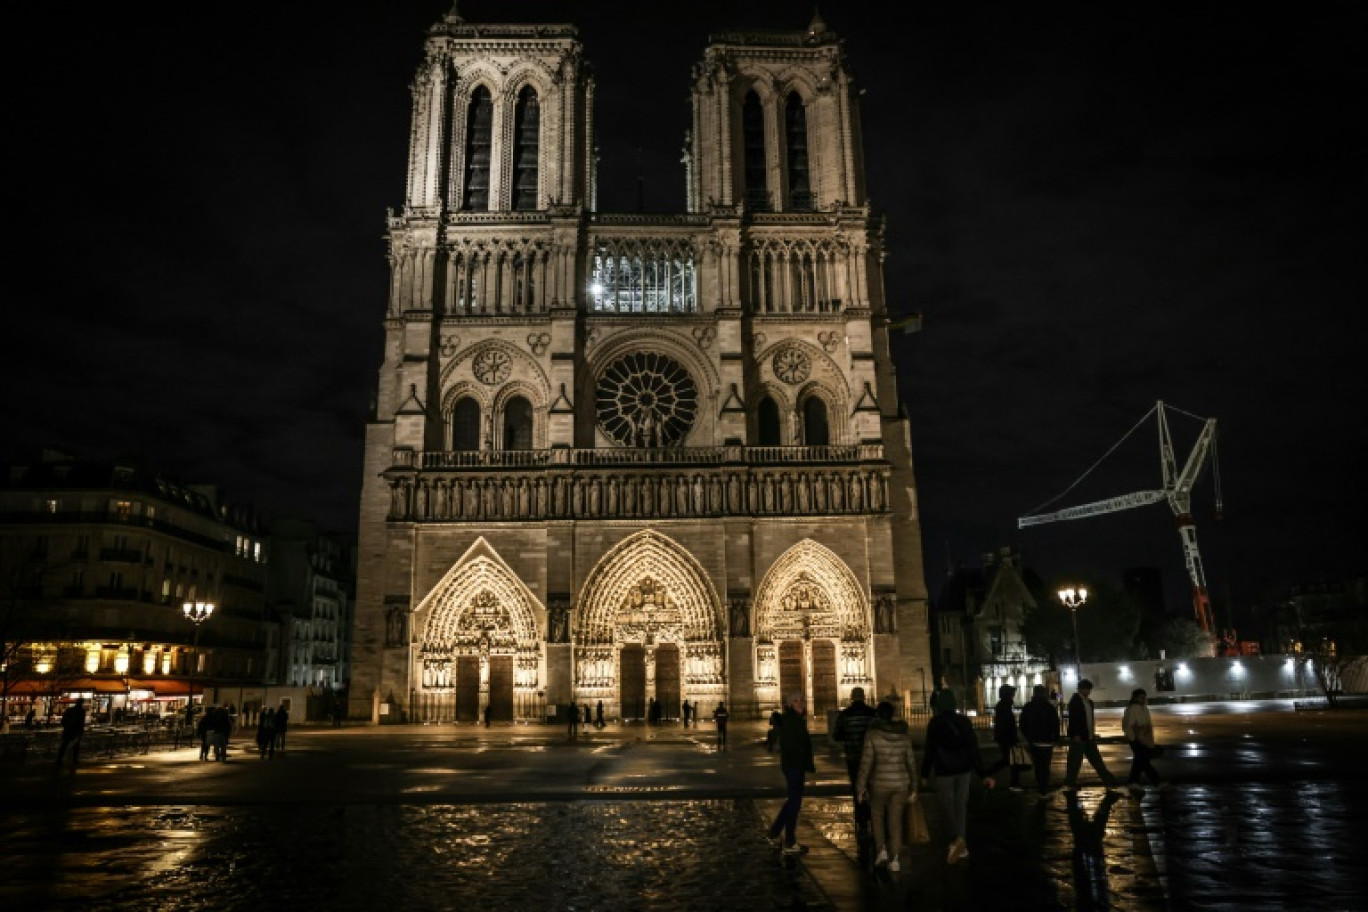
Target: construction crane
[1177, 490]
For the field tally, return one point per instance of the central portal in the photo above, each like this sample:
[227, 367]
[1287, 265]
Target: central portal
[790, 669]
[501, 688]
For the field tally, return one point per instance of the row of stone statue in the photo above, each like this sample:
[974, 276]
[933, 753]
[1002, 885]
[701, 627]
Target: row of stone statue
[424, 497]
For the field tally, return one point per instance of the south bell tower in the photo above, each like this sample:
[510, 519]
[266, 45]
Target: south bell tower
[629, 458]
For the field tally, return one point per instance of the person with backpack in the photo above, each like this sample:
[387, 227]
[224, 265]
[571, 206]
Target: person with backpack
[1040, 728]
[952, 753]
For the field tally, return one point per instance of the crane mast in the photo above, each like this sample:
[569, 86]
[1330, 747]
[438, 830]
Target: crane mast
[1177, 491]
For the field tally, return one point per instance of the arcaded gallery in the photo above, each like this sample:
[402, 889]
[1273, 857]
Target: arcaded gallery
[628, 457]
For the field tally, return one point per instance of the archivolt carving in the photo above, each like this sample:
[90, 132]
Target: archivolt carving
[480, 605]
[825, 371]
[642, 564]
[809, 591]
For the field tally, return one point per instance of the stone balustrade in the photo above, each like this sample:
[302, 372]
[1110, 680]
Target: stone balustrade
[499, 485]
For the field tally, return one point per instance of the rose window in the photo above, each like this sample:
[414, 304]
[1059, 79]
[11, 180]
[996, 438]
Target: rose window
[646, 400]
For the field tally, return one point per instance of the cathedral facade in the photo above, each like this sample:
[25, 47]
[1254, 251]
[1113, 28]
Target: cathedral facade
[634, 458]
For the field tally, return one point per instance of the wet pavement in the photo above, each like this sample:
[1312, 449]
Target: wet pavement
[1267, 810]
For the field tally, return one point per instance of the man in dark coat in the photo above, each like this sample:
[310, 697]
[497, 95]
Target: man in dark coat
[1005, 734]
[73, 729]
[796, 760]
[282, 724]
[851, 725]
[1083, 741]
[1040, 727]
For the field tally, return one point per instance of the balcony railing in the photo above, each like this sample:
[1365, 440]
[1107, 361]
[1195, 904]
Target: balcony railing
[643, 456]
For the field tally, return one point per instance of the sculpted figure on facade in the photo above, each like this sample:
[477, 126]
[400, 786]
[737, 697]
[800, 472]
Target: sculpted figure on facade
[558, 622]
[395, 623]
[740, 617]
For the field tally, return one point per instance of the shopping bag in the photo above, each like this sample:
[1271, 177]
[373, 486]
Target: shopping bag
[1021, 755]
[915, 829]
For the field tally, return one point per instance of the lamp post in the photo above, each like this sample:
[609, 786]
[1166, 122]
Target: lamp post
[196, 613]
[1073, 599]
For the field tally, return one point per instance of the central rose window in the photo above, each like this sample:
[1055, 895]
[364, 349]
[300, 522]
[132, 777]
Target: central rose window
[646, 400]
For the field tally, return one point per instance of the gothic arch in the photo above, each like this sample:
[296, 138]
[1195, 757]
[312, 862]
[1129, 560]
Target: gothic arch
[525, 370]
[446, 613]
[810, 591]
[648, 555]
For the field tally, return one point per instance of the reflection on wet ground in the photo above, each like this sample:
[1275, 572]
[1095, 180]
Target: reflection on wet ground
[525, 856]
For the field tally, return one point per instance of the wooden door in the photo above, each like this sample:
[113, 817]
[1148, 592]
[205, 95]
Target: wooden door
[824, 696]
[632, 680]
[667, 680]
[501, 688]
[791, 677]
[467, 688]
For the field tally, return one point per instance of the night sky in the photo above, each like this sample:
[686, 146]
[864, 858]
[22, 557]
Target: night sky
[1094, 208]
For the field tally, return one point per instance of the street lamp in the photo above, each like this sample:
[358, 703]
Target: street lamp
[196, 613]
[1073, 599]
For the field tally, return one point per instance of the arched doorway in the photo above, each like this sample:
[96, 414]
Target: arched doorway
[479, 648]
[649, 628]
[813, 630]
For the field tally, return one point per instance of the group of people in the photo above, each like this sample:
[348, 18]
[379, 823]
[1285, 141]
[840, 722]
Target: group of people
[885, 777]
[579, 715]
[272, 726]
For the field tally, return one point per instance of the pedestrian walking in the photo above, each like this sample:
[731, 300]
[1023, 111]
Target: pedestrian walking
[851, 724]
[30, 719]
[73, 730]
[772, 735]
[720, 716]
[265, 736]
[1005, 735]
[202, 731]
[1083, 740]
[574, 720]
[587, 717]
[598, 715]
[886, 782]
[1138, 729]
[282, 725]
[688, 710]
[220, 728]
[488, 713]
[1040, 728]
[796, 761]
[952, 754]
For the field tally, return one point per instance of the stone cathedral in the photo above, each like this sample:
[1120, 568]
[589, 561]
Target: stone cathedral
[635, 458]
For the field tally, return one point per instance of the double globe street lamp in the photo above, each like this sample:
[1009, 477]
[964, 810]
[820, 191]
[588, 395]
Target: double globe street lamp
[196, 613]
[1073, 599]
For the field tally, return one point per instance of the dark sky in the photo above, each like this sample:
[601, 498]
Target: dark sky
[1094, 207]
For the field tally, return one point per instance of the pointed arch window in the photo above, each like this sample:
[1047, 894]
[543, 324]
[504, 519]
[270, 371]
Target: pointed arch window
[479, 136]
[526, 147]
[753, 153]
[465, 425]
[816, 431]
[796, 145]
[517, 423]
[767, 423]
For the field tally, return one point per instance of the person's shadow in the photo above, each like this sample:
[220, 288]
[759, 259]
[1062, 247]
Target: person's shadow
[1091, 889]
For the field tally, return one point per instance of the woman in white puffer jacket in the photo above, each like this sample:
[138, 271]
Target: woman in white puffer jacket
[1138, 729]
[887, 780]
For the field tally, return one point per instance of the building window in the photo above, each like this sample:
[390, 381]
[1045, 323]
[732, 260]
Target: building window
[465, 425]
[479, 134]
[526, 139]
[815, 429]
[995, 640]
[799, 185]
[654, 283]
[51, 506]
[123, 509]
[753, 153]
[517, 424]
[767, 423]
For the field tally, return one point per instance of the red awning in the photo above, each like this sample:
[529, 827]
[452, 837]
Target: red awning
[164, 687]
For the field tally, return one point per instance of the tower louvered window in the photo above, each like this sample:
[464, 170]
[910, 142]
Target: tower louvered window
[815, 429]
[517, 424]
[795, 124]
[465, 425]
[525, 150]
[753, 138]
[479, 133]
[767, 423]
